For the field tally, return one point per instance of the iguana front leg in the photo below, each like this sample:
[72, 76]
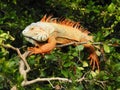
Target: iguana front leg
[45, 48]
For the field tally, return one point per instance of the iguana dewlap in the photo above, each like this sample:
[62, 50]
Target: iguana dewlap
[48, 32]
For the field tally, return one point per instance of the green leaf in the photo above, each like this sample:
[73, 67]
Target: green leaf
[118, 18]
[67, 64]
[105, 77]
[20, 78]
[85, 64]
[109, 87]
[118, 79]
[79, 48]
[111, 7]
[93, 73]
[71, 57]
[80, 68]
[106, 48]
[75, 54]
[116, 67]
[15, 2]
[50, 57]
[1, 78]
[38, 88]
[65, 73]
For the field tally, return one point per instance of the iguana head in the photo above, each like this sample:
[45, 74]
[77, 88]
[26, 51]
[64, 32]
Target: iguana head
[35, 32]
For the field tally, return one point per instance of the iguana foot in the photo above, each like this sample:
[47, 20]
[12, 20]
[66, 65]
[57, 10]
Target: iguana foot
[34, 50]
[94, 61]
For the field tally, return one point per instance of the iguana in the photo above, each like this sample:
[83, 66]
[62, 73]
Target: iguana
[48, 32]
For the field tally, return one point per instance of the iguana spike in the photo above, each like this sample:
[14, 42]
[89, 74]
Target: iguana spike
[48, 18]
[44, 18]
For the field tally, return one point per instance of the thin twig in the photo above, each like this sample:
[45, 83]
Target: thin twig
[83, 77]
[51, 84]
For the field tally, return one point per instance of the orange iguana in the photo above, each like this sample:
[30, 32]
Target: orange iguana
[48, 32]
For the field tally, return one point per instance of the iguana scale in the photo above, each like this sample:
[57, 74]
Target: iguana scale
[48, 32]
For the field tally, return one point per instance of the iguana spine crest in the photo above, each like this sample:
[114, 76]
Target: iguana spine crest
[65, 22]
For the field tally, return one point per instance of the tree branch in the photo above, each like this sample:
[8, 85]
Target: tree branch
[25, 83]
[24, 68]
[81, 43]
[71, 43]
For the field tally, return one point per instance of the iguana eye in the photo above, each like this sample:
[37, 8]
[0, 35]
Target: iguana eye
[31, 28]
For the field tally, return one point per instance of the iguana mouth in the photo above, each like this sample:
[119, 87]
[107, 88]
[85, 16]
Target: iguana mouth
[34, 41]
[31, 38]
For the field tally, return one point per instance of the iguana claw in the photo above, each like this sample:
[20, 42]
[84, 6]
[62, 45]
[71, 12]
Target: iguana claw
[94, 61]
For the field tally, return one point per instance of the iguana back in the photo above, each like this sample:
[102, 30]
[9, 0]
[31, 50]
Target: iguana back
[67, 29]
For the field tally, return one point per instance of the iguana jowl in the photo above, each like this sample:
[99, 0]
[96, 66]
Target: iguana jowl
[48, 32]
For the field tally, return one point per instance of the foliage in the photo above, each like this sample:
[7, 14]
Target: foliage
[101, 17]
